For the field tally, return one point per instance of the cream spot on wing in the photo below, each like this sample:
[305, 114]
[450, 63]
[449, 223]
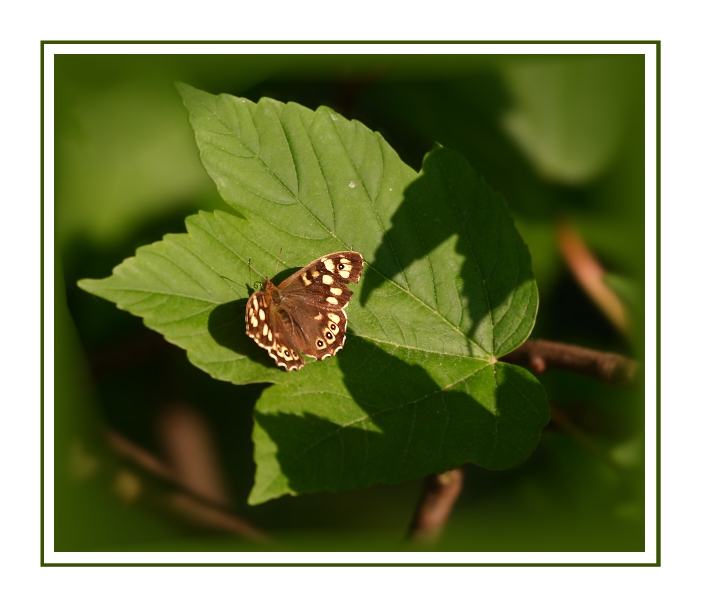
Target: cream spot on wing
[334, 327]
[333, 301]
[345, 274]
[265, 329]
[329, 265]
[262, 315]
[315, 274]
[327, 279]
[305, 280]
[318, 317]
[333, 317]
[254, 321]
[255, 303]
[345, 261]
[336, 291]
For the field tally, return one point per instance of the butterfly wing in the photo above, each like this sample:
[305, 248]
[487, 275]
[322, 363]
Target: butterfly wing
[324, 280]
[272, 329]
[315, 297]
[319, 331]
[305, 313]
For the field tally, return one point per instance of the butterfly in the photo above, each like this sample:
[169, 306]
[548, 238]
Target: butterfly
[304, 315]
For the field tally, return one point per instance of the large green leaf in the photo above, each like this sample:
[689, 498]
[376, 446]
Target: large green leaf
[446, 290]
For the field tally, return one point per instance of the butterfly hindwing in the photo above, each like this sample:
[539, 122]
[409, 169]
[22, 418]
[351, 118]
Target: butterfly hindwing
[321, 331]
[270, 327]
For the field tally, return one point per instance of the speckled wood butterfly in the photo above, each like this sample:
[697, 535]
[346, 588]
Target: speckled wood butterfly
[305, 313]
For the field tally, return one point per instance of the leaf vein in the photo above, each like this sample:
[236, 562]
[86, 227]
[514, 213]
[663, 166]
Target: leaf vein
[370, 416]
[448, 182]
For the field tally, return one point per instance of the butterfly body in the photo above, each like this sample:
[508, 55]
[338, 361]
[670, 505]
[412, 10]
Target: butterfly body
[304, 315]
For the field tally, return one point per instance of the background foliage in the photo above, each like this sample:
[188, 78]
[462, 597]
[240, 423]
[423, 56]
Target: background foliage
[558, 137]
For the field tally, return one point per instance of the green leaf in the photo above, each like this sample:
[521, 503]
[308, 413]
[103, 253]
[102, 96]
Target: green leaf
[390, 415]
[446, 290]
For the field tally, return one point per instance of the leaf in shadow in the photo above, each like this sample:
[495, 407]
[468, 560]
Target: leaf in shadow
[226, 324]
[454, 244]
[395, 421]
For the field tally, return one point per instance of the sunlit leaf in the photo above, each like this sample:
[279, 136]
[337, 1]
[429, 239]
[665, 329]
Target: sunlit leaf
[447, 289]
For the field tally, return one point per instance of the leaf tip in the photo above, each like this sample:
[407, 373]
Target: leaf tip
[186, 92]
[254, 501]
[258, 496]
[86, 285]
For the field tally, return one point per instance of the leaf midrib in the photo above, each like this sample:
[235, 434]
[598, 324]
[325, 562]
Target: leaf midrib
[156, 293]
[328, 230]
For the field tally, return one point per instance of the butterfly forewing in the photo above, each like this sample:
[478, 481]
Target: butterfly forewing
[305, 313]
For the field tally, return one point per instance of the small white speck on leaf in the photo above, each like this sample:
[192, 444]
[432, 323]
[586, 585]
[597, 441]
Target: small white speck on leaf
[352, 184]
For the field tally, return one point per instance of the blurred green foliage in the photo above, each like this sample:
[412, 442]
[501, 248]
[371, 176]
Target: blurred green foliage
[558, 136]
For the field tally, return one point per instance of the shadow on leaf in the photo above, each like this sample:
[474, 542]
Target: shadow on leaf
[227, 325]
[492, 270]
[403, 424]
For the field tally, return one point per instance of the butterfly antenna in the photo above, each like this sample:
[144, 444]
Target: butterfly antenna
[230, 280]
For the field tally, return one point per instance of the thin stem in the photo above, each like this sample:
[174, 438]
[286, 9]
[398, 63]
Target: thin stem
[176, 497]
[435, 506]
[540, 355]
[590, 273]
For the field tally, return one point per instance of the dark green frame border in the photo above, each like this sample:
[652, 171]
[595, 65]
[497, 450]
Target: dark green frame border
[657, 44]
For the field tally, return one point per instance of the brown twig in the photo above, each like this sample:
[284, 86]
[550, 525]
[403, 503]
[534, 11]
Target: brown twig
[213, 517]
[435, 506]
[540, 355]
[188, 446]
[182, 500]
[588, 271]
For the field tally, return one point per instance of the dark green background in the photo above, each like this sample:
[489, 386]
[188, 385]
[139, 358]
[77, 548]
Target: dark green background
[560, 137]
